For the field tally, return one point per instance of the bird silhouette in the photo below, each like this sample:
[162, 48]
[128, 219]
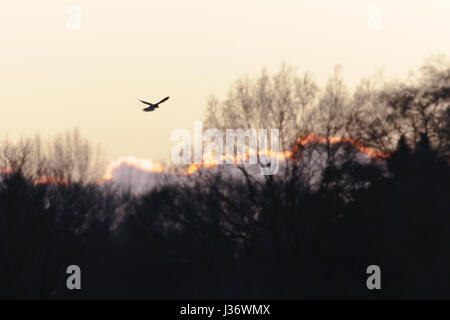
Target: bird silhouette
[152, 106]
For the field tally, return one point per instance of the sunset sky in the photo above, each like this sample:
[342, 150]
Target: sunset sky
[55, 78]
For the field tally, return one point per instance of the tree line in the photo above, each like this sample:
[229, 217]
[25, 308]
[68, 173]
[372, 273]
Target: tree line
[309, 232]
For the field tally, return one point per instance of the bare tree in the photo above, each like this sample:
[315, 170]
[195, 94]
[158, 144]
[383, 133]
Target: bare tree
[73, 159]
[387, 111]
[281, 101]
[65, 158]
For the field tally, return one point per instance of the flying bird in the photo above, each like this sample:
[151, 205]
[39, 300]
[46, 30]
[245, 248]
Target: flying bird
[152, 106]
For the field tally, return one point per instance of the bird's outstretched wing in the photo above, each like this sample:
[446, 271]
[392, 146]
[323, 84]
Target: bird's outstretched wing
[145, 102]
[165, 99]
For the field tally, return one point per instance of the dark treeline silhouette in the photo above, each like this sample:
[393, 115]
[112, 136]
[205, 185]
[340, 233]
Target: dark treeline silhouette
[308, 232]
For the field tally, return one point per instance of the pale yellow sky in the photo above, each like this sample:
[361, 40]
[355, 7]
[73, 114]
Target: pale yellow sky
[53, 78]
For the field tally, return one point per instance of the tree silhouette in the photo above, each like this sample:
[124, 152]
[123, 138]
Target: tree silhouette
[334, 208]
